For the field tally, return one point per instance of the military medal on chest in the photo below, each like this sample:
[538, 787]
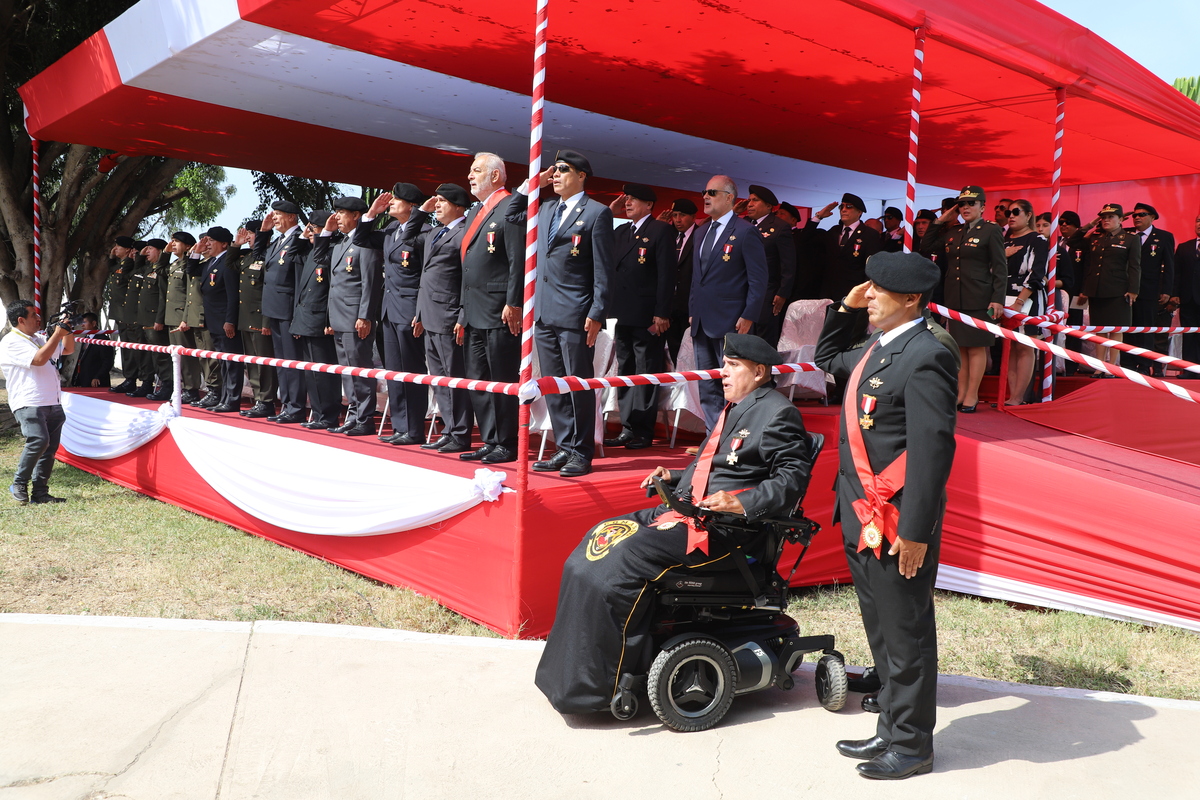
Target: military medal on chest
[575, 240]
[641, 255]
[282, 255]
[875, 382]
[404, 258]
[728, 250]
[857, 248]
[212, 277]
[349, 263]
[491, 240]
[320, 275]
[734, 444]
[868, 405]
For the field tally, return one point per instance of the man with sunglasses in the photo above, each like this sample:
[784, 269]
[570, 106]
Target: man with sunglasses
[848, 245]
[1158, 279]
[575, 267]
[729, 285]
[1000, 212]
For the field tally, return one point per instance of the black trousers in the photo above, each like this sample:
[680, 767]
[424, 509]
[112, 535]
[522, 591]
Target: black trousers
[1074, 317]
[710, 354]
[674, 335]
[494, 354]
[262, 378]
[360, 392]
[1145, 310]
[1189, 317]
[898, 617]
[232, 372]
[324, 389]
[289, 381]
[564, 351]
[444, 357]
[189, 366]
[131, 360]
[772, 328]
[638, 351]
[407, 402]
[160, 363]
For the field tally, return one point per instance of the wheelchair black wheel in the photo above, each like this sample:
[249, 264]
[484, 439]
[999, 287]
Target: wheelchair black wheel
[831, 682]
[691, 685]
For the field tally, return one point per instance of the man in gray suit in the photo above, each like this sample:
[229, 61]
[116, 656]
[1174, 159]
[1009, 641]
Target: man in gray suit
[310, 326]
[575, 266]
[282, 262]
[439, 304]
[355, 291]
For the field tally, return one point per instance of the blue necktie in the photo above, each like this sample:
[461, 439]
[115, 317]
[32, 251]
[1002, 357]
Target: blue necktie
[437, 237]
[709, 238]
[558, 212]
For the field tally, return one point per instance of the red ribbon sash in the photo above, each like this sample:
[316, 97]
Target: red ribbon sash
[491, 202]
[879, 518]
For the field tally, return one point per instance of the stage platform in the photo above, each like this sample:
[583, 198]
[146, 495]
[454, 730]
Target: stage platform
[1036, 514]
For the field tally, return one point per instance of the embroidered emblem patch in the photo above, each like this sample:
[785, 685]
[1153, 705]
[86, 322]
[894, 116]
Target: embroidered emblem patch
[608, 535]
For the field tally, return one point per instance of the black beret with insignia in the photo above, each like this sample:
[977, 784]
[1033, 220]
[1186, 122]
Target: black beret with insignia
[753, 348]
[318, 218]
[641, 192]
[454, 193]
[764, 194]
[925, 213]
[185, 237]
[158, 244]
[350, 204]
[409, 192]
[684, 206]
[855, 201]
[1147, 208]
[903, 273]
[219, 234]
[576, 160]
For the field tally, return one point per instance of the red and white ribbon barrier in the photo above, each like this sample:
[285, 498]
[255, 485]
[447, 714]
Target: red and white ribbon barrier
[1052, 312]
[1079, 358]
[914, 136]
[548, 384]
[37, 222]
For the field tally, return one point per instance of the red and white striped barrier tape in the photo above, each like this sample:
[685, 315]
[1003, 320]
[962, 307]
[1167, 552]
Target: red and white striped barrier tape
[548, 384]
[1100, 340]
[914, 136]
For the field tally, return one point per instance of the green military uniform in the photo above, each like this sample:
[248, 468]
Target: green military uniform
[174, 307]
[139, 319]
[116, 289]
[193, 317]
[152, 286]
[256, 335]
[976, 276]
[1114, 267]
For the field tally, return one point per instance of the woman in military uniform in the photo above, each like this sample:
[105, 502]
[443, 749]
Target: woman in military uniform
[1113, 277]
[976, 281]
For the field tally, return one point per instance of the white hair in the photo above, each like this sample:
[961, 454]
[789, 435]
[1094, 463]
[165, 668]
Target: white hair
[492, 161]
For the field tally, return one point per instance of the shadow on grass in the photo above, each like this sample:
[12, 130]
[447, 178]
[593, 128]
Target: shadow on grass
[1051, 672]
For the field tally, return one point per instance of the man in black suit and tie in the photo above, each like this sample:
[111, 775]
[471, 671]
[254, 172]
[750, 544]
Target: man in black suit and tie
[439, 303]
[682, 217]
[403, 252]
[896, 443]
[219, 293]
[1186, 296]
[282, 260]
[643, 285]
[355, 294]
[93, 367]
[1158, 279]
[729, 285]
[575, 266]
[781, 260]
[310, 326]
[848, 245]
[493, 291]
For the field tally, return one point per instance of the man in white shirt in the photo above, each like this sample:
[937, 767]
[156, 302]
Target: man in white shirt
[29, 362]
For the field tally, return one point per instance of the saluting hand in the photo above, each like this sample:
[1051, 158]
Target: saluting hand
[379, 204]
[857, 298]
[827, 211]
[912, 555]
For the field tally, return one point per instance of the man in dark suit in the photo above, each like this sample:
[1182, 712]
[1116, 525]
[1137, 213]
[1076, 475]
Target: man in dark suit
[893, 230]
[682, 217]
[848, 245]
[282, 259]
[439, 304]
[93, 367]
[575, 263]
[781, 260]
[897, 440]
[256, 336]
[219, 294]
[116, 292]
[729, 284]
[493, 291]
[310, 326]
[757, 463]
[1186, 296]
[1158, 280]
[402, 246]
[643, 284]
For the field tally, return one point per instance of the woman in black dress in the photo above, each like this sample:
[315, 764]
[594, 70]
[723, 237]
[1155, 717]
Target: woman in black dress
[1027, 251]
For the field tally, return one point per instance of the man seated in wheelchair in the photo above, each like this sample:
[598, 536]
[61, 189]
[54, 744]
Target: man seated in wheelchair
[755, 462]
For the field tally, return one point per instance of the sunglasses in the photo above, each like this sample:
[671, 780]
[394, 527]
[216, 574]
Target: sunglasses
[967, 203]
[1139, 214]
[563, 168]
[715, 192]
[1015, 212]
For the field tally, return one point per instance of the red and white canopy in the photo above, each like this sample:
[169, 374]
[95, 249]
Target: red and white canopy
[810, 100]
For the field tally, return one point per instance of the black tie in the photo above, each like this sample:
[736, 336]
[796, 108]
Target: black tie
[558, 212]
[678, 244]
[437, 237]
[845, 235]
[709, 238]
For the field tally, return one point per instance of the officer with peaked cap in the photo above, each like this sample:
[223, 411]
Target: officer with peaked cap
[756, 462]
[895, 447]
[1114, 275]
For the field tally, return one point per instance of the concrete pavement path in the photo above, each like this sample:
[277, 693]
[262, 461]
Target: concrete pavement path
[147, 709]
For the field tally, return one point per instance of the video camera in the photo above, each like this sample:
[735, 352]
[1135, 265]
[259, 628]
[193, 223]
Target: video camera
[69, 317]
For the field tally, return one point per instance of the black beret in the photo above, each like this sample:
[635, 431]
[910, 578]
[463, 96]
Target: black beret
[454, 193]
[350, 204]
[1111, 208]
[576, 160]
[219, 234]
[684, 206]
[253, 225]
[1146, 207]
[925, 213]
[158, 244]
[185, 237]
[318, 218]
[854, 200]
[903, 273]
[285, 207]
[949, 202]
[752, 348]
[1069, 218]
[764, 194]
[790, 209]
[641, 192]
[892, 211]
[125, 241]
[138, 245]
[409, 192]
[971, 193]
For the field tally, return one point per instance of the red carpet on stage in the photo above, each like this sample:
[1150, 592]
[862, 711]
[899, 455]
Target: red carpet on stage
[1035, 515]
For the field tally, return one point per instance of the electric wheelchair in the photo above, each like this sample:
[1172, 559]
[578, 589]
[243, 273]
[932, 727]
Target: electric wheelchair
[723, 631]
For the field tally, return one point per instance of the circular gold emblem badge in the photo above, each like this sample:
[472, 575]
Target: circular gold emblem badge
[607, 535]
[872, 535]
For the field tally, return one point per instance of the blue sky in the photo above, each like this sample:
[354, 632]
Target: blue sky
[1161, 35]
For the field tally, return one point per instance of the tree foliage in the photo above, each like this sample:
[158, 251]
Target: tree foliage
[1190, 88]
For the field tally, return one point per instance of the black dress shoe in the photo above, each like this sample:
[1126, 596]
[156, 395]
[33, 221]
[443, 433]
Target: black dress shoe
[576, 466]
[870, 703]
[477, 455]
[619, 441]
[864, 749]
[402, 439]
[361, 429]
[438, 443]
[141, 391]
[288, 419]
[258, 411]
[639, 443]
[123, 386]
[499, 455]
[342, 428]
[866, 683]
[189, 396]
[211, 399]
[317, 425]
[553, 463]
[162, 394]
[455, 446]
[226, 408]
[893, 766]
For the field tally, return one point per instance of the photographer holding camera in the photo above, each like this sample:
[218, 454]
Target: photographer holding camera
[30, 364]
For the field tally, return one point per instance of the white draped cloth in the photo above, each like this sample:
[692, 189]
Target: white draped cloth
[290, 483]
